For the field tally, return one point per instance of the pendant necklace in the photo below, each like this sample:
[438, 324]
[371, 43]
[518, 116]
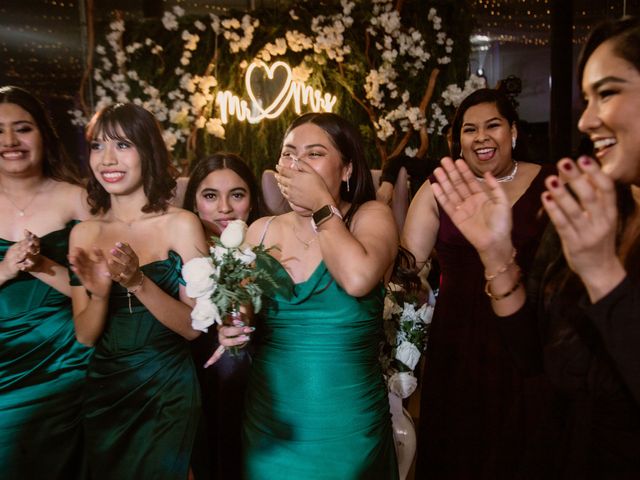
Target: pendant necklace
[21, 211]
[130, 223]
[306, 243]
[506, 178]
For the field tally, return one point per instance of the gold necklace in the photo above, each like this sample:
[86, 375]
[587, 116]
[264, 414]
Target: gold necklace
[130, 223]
[306, 243]
[21, 211]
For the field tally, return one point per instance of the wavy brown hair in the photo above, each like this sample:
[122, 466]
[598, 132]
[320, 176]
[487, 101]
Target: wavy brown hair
[56, 164]
[132, 123]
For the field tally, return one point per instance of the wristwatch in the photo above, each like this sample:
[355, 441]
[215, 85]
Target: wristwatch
[323, 214]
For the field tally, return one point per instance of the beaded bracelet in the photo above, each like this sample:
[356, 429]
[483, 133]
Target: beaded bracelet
[132, 291]
[495, 297]
[503, 268]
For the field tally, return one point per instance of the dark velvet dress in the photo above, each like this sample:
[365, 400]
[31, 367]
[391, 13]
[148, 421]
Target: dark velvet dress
[477, 412]
[591, 354]
[218, 452]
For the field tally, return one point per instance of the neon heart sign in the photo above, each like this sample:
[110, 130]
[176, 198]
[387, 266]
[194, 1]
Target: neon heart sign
[254, 112]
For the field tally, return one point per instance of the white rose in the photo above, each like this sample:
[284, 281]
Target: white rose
[218, 252]
[402, 384]
[408, 313]
[246, 255]
[425, 313]
[197, 275]
[204, 314]
[408, 354]
[233, 235]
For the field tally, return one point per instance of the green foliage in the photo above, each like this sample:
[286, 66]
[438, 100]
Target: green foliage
[129, 69]
[238, 282]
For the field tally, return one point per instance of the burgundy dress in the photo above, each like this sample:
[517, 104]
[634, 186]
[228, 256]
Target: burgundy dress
[477, 412]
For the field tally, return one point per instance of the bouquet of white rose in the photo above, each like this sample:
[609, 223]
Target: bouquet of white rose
[225, 279]
[406, 328]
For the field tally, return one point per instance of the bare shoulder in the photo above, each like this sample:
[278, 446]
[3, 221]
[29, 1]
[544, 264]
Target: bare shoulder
[179, 217]
[256, 229]
[74, 196]
[423, 206]
[373, 208]
[373, 216]
[424, 193]
[185, 232]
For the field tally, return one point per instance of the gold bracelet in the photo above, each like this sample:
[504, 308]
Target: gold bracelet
[137, 287]
[132, 291]
[503, 268]
[495, 297]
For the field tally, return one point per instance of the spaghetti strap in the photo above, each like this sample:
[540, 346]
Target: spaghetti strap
[266, 227]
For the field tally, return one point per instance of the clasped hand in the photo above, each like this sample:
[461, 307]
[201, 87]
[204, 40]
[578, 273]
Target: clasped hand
[96, 271]
[581, 203]
[22, 256]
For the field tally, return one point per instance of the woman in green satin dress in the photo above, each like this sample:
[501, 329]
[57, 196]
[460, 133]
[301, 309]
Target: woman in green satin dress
[317, 405]
[42, 367]
[142, 403]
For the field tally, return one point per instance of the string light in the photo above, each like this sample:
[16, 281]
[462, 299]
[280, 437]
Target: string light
[529, 22]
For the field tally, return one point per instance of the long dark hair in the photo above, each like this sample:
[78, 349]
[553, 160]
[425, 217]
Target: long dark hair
[346, 138]
[505, 108]
[625, 35]
[219, 161]
[56, 164]
[129, 122]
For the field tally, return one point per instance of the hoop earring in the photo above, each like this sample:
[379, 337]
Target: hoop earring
[513, 143]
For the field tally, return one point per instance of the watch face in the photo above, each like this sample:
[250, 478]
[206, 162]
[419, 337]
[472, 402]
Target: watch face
[322, 214]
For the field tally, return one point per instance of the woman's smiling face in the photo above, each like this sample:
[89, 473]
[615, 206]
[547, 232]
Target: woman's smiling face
[485, 139]
[611, 88]
[21, 148]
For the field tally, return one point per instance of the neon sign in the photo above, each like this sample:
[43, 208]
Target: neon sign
[254, 111]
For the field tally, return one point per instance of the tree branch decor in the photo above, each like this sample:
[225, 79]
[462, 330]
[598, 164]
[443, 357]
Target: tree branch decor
[234, 81]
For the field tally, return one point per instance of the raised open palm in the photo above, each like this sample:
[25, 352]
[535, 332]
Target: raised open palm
[481, 212]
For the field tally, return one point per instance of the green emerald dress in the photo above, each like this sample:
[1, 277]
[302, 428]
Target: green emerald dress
[317, 405]
[42, 374]
[142, 404]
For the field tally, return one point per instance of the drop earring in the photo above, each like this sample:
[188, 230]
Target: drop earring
[513, 143]
[348, 183]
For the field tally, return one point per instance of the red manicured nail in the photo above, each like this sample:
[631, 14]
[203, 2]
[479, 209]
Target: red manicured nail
[567, 166]
[546, 196]
[585, 160]
[554, 183]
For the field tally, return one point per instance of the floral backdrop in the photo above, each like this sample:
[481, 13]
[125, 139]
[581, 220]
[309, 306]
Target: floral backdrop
[234, 81]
